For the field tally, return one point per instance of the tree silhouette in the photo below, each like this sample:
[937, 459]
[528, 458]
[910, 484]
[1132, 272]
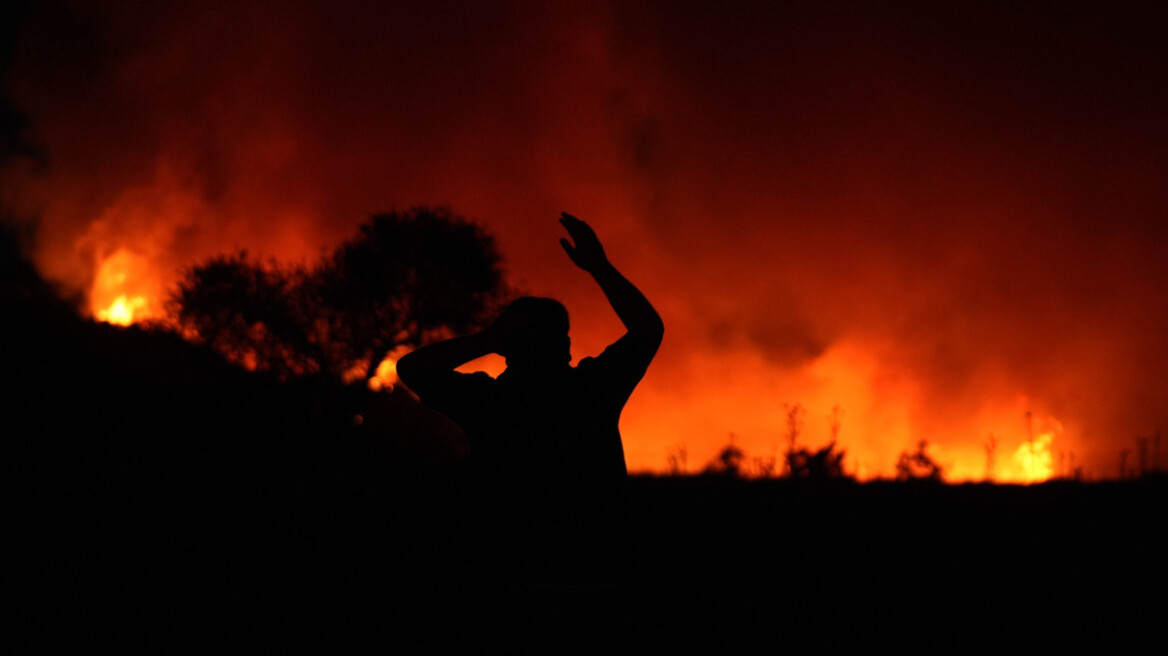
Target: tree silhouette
[257, 315]
[407, 278]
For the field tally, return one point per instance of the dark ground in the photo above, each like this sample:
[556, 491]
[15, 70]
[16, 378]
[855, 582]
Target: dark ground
[293, 560]
[157, 500]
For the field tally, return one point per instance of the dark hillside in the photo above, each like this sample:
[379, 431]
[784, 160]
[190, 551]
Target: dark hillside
[159, 500]
[158, 497]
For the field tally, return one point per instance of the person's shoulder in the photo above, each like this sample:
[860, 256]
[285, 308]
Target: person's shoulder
[627, 347]
[599, 364]
[585, 363]
[625, 358]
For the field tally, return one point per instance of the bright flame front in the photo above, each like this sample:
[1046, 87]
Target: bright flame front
[122, 291]
[1033, 458]
[123, 310]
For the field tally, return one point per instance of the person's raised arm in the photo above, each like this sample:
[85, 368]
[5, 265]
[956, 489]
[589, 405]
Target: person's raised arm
[425, 368]
[634, 310]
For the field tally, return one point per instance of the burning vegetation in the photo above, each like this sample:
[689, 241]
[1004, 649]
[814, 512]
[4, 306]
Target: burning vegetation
[976, 241]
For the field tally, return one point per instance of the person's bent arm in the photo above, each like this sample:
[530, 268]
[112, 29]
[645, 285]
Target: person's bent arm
[634, 310]
[425, 368]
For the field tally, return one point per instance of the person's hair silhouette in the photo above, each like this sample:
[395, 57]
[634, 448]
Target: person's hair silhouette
[534, 333]
[544, 435]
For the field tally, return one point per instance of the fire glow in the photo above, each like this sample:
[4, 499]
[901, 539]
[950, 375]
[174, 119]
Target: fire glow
[1034, 458]
[884, 213]
[113, 298]
[878, 424]
[122, 311]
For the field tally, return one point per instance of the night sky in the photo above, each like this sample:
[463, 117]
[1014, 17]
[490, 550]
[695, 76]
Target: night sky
[936, 217]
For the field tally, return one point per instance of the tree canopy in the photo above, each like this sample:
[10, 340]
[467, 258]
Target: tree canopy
[407, 278]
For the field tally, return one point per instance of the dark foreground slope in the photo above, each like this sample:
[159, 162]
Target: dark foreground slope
[923, 568]
[159, 501]
[156, 498]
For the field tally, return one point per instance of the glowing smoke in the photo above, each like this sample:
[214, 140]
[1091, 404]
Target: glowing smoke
[939, 221]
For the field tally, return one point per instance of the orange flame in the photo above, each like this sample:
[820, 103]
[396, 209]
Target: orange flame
[122, 311]
[1034, 459]
[121, 292]
[883, 409]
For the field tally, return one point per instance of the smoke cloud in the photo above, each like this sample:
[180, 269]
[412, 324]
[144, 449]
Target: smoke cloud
[938, 219]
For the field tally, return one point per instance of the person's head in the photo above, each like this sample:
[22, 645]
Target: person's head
[533, 333]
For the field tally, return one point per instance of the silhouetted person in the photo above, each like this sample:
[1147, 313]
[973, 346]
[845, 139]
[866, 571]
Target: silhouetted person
[545, 442]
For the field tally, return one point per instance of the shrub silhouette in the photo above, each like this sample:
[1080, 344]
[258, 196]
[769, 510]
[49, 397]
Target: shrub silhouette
[728, 462]
[407, 278]
[918, 466]
[826, 463]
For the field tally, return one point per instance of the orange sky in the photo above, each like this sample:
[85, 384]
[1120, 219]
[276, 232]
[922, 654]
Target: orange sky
[938, 220]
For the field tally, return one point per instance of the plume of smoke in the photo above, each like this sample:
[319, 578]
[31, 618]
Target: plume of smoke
[942, 217]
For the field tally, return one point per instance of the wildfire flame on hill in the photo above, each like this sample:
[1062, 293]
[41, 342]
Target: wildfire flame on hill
[847, 375]
[1034, 459]
[117, 295]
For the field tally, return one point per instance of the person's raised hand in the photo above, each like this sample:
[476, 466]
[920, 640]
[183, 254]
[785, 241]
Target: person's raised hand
[586, 251]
